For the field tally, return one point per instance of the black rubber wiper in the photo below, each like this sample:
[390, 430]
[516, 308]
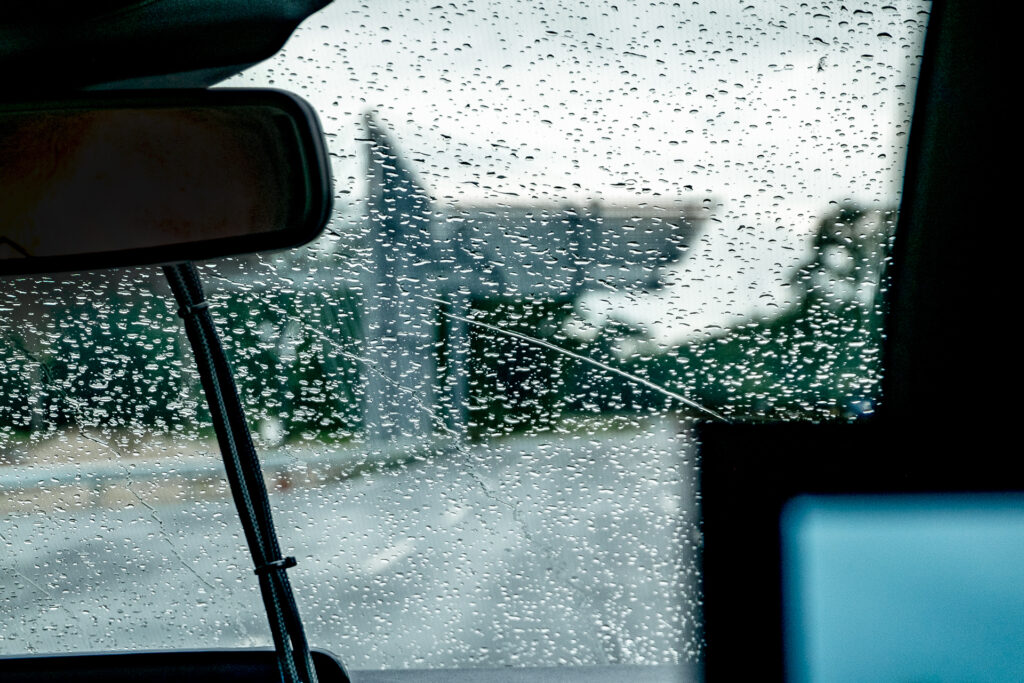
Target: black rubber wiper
[244, 475]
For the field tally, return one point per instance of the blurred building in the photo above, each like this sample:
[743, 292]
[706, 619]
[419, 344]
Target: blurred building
[428, 260]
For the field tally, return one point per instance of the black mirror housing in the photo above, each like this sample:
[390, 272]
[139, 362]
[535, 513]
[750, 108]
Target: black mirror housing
[129, 178]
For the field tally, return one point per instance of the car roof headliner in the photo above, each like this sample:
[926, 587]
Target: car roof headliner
[57, 46]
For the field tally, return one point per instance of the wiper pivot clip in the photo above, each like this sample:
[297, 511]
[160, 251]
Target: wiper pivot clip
[281, 565]
[193, 309]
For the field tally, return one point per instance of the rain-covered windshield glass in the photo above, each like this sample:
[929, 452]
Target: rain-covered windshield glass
[563, 234]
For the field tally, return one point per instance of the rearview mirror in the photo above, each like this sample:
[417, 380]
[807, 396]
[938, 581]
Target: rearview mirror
[154, 177]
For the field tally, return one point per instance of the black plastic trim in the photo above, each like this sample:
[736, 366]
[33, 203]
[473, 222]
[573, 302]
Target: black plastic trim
[162, 666]
[747, 475]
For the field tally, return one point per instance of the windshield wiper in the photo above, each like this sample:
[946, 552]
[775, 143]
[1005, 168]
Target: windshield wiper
[244, 476]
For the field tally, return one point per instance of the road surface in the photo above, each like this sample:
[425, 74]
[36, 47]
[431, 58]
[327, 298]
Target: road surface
[551, 550]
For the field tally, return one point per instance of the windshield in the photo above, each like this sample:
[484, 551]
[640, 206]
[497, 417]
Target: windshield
[563, 234]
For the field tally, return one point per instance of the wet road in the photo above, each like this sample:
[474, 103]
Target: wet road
[568, 549]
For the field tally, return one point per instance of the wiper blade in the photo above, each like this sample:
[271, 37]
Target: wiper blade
[244, 476]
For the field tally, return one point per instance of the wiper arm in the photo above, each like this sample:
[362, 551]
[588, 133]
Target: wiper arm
[244, 476]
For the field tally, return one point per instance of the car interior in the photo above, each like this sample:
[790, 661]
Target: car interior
[775, 498]
[912, 447]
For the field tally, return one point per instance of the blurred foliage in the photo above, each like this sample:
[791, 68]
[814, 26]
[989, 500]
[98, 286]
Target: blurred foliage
[820, 359]
[117, 359]
[104, 361]
[514, 385]
[294, 358]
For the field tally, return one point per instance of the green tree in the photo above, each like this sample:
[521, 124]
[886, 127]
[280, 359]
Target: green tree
[815, 359]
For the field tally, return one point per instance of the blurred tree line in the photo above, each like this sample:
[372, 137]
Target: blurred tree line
[117, 359]
[820, 359]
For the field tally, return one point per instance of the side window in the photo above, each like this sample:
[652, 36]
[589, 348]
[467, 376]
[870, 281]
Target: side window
[563, 234]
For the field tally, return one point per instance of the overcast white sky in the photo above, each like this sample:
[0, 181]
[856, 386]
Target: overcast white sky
[773, 109]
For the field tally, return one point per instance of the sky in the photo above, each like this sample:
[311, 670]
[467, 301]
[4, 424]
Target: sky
[769, 110]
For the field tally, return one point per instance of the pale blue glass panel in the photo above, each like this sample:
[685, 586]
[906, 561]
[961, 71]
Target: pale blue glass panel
[904, 589]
